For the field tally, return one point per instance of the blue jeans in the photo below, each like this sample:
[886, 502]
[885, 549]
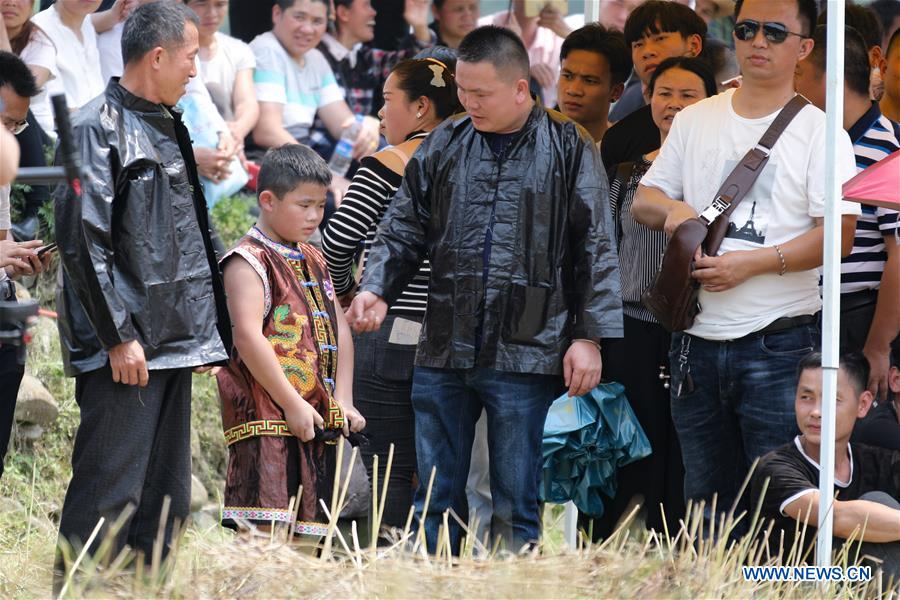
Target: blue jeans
[741, 405]
[447, 404]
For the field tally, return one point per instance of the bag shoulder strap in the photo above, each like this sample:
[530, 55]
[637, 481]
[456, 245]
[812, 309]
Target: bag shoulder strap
[744, 175]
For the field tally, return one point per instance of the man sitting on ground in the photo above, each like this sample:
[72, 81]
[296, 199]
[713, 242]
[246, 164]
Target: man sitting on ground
[881, 427]
[866, 479]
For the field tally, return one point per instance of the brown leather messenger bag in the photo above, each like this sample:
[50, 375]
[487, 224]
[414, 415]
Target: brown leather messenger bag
[673, 296]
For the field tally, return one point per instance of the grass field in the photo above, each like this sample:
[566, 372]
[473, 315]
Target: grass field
[210, 562]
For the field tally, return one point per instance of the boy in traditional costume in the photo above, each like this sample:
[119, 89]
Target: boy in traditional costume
[284, 381]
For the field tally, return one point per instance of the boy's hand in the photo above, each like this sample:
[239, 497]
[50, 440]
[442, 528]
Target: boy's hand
[353, 420]
[302, 419]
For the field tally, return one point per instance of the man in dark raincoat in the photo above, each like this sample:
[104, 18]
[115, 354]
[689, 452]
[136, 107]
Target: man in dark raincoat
[142, 302]
[509, 202]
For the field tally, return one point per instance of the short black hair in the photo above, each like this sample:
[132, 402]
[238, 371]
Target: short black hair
[662, 16]
[887, 11]
[721, 58]
[854, 365]
[608, 43]
[498, 46]
[856, 58]
[695, 65]
[893, 43]
[864, 20]
[16, 74]
[807, 10]
[153, 25]
[286, 167]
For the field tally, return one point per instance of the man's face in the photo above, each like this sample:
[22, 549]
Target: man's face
[489, 97]
[763, 60]
[809, 80]
[457, 18]
[584, 90]
[300, 28]
[850, 406]
[614, 13]
[358, 20]
[177, 66]
[654, 48]
[15, 109]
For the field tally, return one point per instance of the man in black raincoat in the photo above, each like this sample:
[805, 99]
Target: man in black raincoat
[510, 204]
[142, 302]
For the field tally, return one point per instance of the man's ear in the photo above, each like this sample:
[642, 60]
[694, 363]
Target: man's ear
[156, 56]
[276, 13]
[340, 13]
[523, 91]
[806, 46]
[695, 45]
[865, 403]
[616, 92]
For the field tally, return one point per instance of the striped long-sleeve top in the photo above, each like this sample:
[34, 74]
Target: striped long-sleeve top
[355, 223]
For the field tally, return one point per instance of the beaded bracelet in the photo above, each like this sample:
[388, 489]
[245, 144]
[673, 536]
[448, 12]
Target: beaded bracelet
[783, 263]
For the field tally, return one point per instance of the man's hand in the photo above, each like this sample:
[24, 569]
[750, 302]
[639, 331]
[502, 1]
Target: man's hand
[678, 215]
[367, 139]
[544, 75]
[880, 366]
[720, 273]
[128, 364]
[582, 367]
[21, 257]
[416, 12]
[208, 370]
[339, 186]
[554, 20]
[367, 312]
[302, 419]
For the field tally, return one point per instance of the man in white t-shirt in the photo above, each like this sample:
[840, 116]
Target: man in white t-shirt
[733, 371]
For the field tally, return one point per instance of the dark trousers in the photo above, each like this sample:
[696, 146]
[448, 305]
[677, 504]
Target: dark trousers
[11, 373]
[382, 384]
[888, 554]
[448, 404]
[133, 447]
[635, 361]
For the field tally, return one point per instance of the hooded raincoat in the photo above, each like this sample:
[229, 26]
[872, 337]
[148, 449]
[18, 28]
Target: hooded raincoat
[138, 263]
[522, 257]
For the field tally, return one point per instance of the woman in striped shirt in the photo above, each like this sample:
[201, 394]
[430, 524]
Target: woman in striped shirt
[418, 95]
[639, 360]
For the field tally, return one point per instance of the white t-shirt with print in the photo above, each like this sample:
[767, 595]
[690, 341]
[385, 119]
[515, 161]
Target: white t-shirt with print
[40, 52]
[706, 142]
[78, 62]
[232, 56]
[302, 90]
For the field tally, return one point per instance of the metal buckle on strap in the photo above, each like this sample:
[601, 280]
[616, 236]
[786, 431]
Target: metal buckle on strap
[712, 212]
[766, 151]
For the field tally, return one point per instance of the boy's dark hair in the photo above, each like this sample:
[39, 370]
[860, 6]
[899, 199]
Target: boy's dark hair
[720, 57]
[887, 11]
[16, 74]
[808, 11]
[153, 25]
[894, 43]
[662, 16]
[498, 46]
[286, 167]
[608, 43]
[695, 65]
[415, 77]
[856, 58]
[854, 365]
[864, 20]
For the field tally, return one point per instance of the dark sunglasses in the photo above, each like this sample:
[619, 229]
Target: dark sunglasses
[774, 32]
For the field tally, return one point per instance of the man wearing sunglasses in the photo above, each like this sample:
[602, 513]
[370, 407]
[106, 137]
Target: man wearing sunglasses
[733, 370]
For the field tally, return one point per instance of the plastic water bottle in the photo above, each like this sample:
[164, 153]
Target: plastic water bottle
[343, 152]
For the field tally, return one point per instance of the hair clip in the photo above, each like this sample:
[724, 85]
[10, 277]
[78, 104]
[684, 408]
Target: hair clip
[438, 79]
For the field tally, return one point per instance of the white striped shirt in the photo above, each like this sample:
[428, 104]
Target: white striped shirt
[873, 140]
[356, 221]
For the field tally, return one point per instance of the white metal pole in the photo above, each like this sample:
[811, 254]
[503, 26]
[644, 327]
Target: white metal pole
[592, 10]
[831, 316]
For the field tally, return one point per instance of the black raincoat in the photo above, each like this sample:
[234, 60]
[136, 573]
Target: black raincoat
[549, 274]
[138, 263]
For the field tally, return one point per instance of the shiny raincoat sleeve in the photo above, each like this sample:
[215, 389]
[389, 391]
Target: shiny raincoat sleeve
[399, 245]
[597, 299]
[84, 237]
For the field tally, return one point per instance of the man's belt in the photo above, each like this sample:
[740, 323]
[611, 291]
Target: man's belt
[785, 323]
